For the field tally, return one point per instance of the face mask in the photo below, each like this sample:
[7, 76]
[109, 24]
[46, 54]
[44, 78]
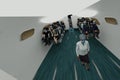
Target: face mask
[83, 41]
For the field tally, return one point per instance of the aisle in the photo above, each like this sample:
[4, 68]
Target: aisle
[61, 62]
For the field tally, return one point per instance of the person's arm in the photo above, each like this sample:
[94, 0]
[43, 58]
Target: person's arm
[77, 49]
[88, 46]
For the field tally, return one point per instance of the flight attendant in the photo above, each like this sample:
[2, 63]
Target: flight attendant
[82, 50]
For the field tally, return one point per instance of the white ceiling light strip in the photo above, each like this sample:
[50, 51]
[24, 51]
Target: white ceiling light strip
[87, 13]
[51, 19]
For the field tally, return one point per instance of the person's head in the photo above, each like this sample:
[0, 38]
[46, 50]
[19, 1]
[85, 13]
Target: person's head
[94, 22]
[69, 16]
[82, 38]
[84, 22]
[61, 22]
[78, 19]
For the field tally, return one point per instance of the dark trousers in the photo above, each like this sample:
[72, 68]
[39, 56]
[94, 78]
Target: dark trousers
[84, 58]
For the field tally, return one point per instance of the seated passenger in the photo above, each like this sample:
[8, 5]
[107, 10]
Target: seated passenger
[91, 29]
[55, 35]
[81, 28]
[79, 24]
[63, 26]
[96, 31]
[86, 29]
[45, 35]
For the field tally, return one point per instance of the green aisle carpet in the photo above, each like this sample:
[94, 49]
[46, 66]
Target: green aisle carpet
[61, 62]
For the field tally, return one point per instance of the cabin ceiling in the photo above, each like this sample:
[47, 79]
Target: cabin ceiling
[57, 9]
[42, 7]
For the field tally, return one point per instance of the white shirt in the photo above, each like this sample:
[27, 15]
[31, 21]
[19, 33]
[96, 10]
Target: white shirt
[82, 25]
[82, 49]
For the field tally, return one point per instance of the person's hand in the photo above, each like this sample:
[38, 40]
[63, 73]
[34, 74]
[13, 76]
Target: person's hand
[78, 57]
[88, 52]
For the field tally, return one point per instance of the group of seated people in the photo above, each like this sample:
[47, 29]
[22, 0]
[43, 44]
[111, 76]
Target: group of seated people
[53, 32]
[88, 27]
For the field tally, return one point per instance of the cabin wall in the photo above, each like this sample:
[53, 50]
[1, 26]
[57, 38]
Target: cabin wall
[21, 59]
